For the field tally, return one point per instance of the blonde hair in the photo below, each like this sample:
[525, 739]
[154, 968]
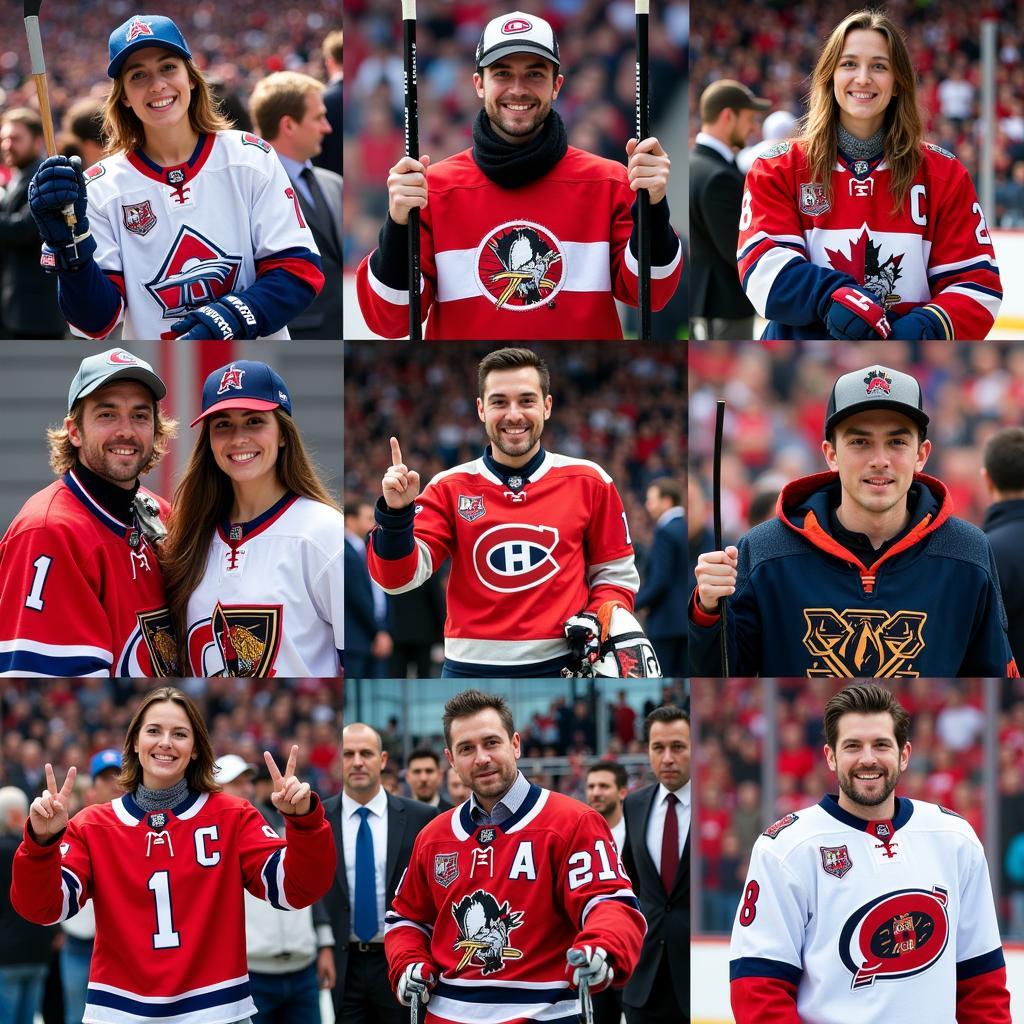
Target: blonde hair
[903, 129]
[282, 94]
[123, 131]
[64, 455]
[203, 498]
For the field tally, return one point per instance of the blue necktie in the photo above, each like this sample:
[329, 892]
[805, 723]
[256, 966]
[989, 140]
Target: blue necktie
[365, 920]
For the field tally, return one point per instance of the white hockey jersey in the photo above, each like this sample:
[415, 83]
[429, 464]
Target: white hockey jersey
[174, 238]
[270, 601]
[847, 920]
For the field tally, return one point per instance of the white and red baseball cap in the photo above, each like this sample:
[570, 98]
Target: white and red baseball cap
[516, 33]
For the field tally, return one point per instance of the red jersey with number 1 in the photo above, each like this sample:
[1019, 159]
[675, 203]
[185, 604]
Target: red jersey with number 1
[168, 888]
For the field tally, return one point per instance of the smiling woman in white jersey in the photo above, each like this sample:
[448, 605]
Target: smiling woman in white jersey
[187, 229]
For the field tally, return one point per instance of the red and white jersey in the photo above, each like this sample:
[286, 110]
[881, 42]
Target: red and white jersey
[523, 561]
[270, 601]
[173, 238]
[495, 908]
[168, 888]
[935, 251]
[848, 920]
[546, 260]
[76, 598]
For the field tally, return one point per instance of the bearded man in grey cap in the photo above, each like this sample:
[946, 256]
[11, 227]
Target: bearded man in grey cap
[81, 592]
[864, 571]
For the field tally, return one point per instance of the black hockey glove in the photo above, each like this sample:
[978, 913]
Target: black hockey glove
[226, 319]
[583, 633]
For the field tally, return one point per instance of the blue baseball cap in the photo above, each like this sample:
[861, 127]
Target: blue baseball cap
[144, 30]
[244, 384]
[103, 760]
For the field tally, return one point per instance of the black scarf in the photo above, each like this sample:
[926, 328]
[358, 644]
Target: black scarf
[514, 166]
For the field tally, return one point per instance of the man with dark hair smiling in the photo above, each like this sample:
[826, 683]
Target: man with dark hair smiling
[868, 906]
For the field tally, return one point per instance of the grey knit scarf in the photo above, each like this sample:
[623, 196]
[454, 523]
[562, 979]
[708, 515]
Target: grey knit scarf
[861, 149]
[160, 799]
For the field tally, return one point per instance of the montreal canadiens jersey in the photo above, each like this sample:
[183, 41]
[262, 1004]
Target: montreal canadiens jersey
[168, 889]
[526, 554]
[174, 238]
[796, 246]
[495, 908]
[545, 260]
[76, 597]
[270, 601]
[847, 920]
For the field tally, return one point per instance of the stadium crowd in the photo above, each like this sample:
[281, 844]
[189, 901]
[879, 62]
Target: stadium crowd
[771, 47]
[596, 46]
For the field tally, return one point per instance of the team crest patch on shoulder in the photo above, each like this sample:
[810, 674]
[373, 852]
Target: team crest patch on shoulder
[777, 150]
[471, 507]
[446, 868]
[248, 139]
[814, 200]
[772, 831]
[484, 927]
[938, 149]
[520, 266]
[139, 218]
[96, 171]
[835, 860]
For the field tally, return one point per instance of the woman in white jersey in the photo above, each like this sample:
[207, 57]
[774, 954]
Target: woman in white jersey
[188, 229]
[254, 556]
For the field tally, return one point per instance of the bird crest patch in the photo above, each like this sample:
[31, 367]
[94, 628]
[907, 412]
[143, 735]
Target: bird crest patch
[484, 926]
[520, 266]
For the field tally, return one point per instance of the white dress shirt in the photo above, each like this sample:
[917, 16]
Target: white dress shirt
[378, 821]
[656, 822]
[703, 139]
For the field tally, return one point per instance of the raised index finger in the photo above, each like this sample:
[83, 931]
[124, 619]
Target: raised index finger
[293, 758]
[396, 452]
[51, 782]
[275, 772]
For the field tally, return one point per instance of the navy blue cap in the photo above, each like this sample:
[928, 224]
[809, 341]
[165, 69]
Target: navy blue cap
[144, 30]
[244, 384]
[103, 760]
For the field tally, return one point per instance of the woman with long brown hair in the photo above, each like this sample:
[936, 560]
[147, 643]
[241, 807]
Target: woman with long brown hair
[166, 865]
[188, 229]
[859, 229]
[254, 554]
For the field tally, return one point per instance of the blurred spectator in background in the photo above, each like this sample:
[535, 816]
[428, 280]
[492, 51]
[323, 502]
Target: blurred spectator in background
[1003, 473]
[458, 791]
[329, 156]
[423, 774]
[367, 641]
[719, 307]
[290, 114]
[778, 125]
[28, 295]
[83, 123]
[417, 628]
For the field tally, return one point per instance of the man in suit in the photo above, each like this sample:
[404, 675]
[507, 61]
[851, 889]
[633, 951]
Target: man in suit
[289, 112]
[366, 635]
[373, 835]
[28, 295]
[330, 156]
[719, 308]
[663, 590]
[657, 859]
[423, 773]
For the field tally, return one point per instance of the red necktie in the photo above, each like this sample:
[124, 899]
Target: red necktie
[670, 844]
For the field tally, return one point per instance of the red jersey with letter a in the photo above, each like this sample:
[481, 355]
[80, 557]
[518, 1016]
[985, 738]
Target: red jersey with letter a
[168, 889]
[81, 593]
[495, 908]
[523, 560]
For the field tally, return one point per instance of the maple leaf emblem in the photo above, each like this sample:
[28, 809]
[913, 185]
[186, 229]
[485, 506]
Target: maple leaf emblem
[865, 264]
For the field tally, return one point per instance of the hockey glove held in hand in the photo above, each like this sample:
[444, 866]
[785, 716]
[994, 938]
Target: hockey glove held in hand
[416, 982]
[854, 315]
[596, 971]
[58, 182]
[923, 322]
[226, 319]
[583, 633]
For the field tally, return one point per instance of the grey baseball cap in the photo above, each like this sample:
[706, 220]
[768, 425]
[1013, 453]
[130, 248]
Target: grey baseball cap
[106, 367]
[875, 387]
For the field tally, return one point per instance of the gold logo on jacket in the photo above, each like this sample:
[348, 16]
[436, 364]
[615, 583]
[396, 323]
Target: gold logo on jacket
[864, 642]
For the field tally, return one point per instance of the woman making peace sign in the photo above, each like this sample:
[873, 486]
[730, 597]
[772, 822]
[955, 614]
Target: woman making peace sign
[166, 865]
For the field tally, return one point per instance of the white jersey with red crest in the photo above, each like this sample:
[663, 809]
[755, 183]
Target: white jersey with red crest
[495, 908]
[270, 601]
[174, 238]
[849, 920]
[168, 889]
[81, 593]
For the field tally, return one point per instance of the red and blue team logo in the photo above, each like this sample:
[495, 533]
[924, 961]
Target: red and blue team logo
[139, 218]
[446, 868]
[515, 26]
[137, 29]
[471, 507]
[230, 379]
[248, 139]
[121, 358]
[515, 556]
[195, 271]
[835, 860]
[895, 936]
[520, 266]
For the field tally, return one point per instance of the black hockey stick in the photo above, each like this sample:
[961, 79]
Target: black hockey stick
[412, 148]
[643, 211]
[717, 503]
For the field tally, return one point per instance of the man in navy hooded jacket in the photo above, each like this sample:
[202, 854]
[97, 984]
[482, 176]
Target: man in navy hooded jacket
[865, 571]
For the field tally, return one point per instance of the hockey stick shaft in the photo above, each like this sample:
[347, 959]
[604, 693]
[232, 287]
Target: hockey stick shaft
[412, 148]
[585, 1008]
[643, 218]
[717, 507]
